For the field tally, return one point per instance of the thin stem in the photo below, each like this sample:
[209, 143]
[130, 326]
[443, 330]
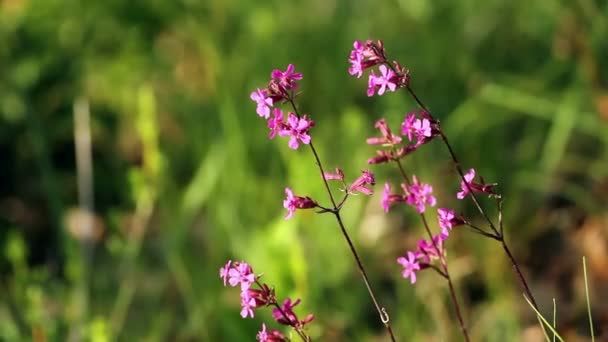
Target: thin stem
[384, 317]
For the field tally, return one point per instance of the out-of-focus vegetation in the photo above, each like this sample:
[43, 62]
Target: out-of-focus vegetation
[185, 178]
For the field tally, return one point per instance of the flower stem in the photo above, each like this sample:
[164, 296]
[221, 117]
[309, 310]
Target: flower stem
[384, 317]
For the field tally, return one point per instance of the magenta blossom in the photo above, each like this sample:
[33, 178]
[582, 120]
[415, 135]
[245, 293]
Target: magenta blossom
[363, 56]
[276, 123]
[291, 203]
[270, 335]
[297, 129]
[287, 79]
[388, 199]
[224, 271]
[420, 195]
[247, 304]
[367, 178]
[264, 102]
[388, 138]
[447, 220]
[468, 183]
[410, 266]
[387, 79]
[429, 250]
[339, 175]
[288, 317]
[241, 273]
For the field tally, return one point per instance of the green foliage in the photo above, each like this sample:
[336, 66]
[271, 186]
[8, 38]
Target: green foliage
[185, 177]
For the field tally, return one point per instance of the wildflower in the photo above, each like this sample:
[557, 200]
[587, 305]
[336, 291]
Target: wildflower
[248, 304]
[388, 199]
[276, 123]
[286, 315]
[367, 178]
[363, 56]
[407, 127]
[468, 183]
[429, 250]
[420, 195]
[410, 266]
[339, 175]
[447, 220]
[291, 203]
[388, 138]
[241, 273]
[297, 128]
[264, 102]
[224, 271]
[270, 335]
[287, 79]
[385, 80]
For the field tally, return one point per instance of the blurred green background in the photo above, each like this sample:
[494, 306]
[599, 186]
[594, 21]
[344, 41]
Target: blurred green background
[184, 177]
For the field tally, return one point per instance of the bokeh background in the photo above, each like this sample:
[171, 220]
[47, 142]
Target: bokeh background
[183, 176]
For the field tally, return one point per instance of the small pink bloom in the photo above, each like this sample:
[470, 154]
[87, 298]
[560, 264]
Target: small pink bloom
[291, 319]
[287, 79]
[387, 136]
[385, 80]
[410, 266]
[367, 178]
[264, 103]
[247, 304]
[291, 203]
[420, 195]
[407, 127]
[339, 175]
[276, 123]
[475, 187]
[224, 271]
[297, 129]
[270, 335]
[371, 84]
[241, 273]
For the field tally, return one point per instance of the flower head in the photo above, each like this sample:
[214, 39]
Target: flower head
[241, 273]
[287, 316]
[388, 138]
[388, 199]
[224, 271]
[291, 203]
[339, 175]
[247, 304]
[420, 195]
[297, 129]
[270, 335]
[276, 123]
[468, 184]
[366, 178]
[287, 79]
[410, 266]
[447, 220]
[264, 102]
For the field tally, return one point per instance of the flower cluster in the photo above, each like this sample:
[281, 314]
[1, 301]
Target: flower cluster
[241, 273]
[416, 194]
[291, 203]
[370, 54]
[419, 128]
[280, 89]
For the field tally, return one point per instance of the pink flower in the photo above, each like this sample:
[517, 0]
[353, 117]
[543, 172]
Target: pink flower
[410, 266]
[371, 84]
[297, 128]
[388, 199]
[291, 203]
[367, 178]
[387, 136]
[423, 128]
[361, 57]
[291, 319]
[264, 103]
[247, 304]
[420, 195]
[447, 220]
[339, 175]
[287, 79]
[407, 127]
[276, 123]
[241, 273]
[475, 187]
[224, 271]
[385, 80]
[428, 250]
[270, 336]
